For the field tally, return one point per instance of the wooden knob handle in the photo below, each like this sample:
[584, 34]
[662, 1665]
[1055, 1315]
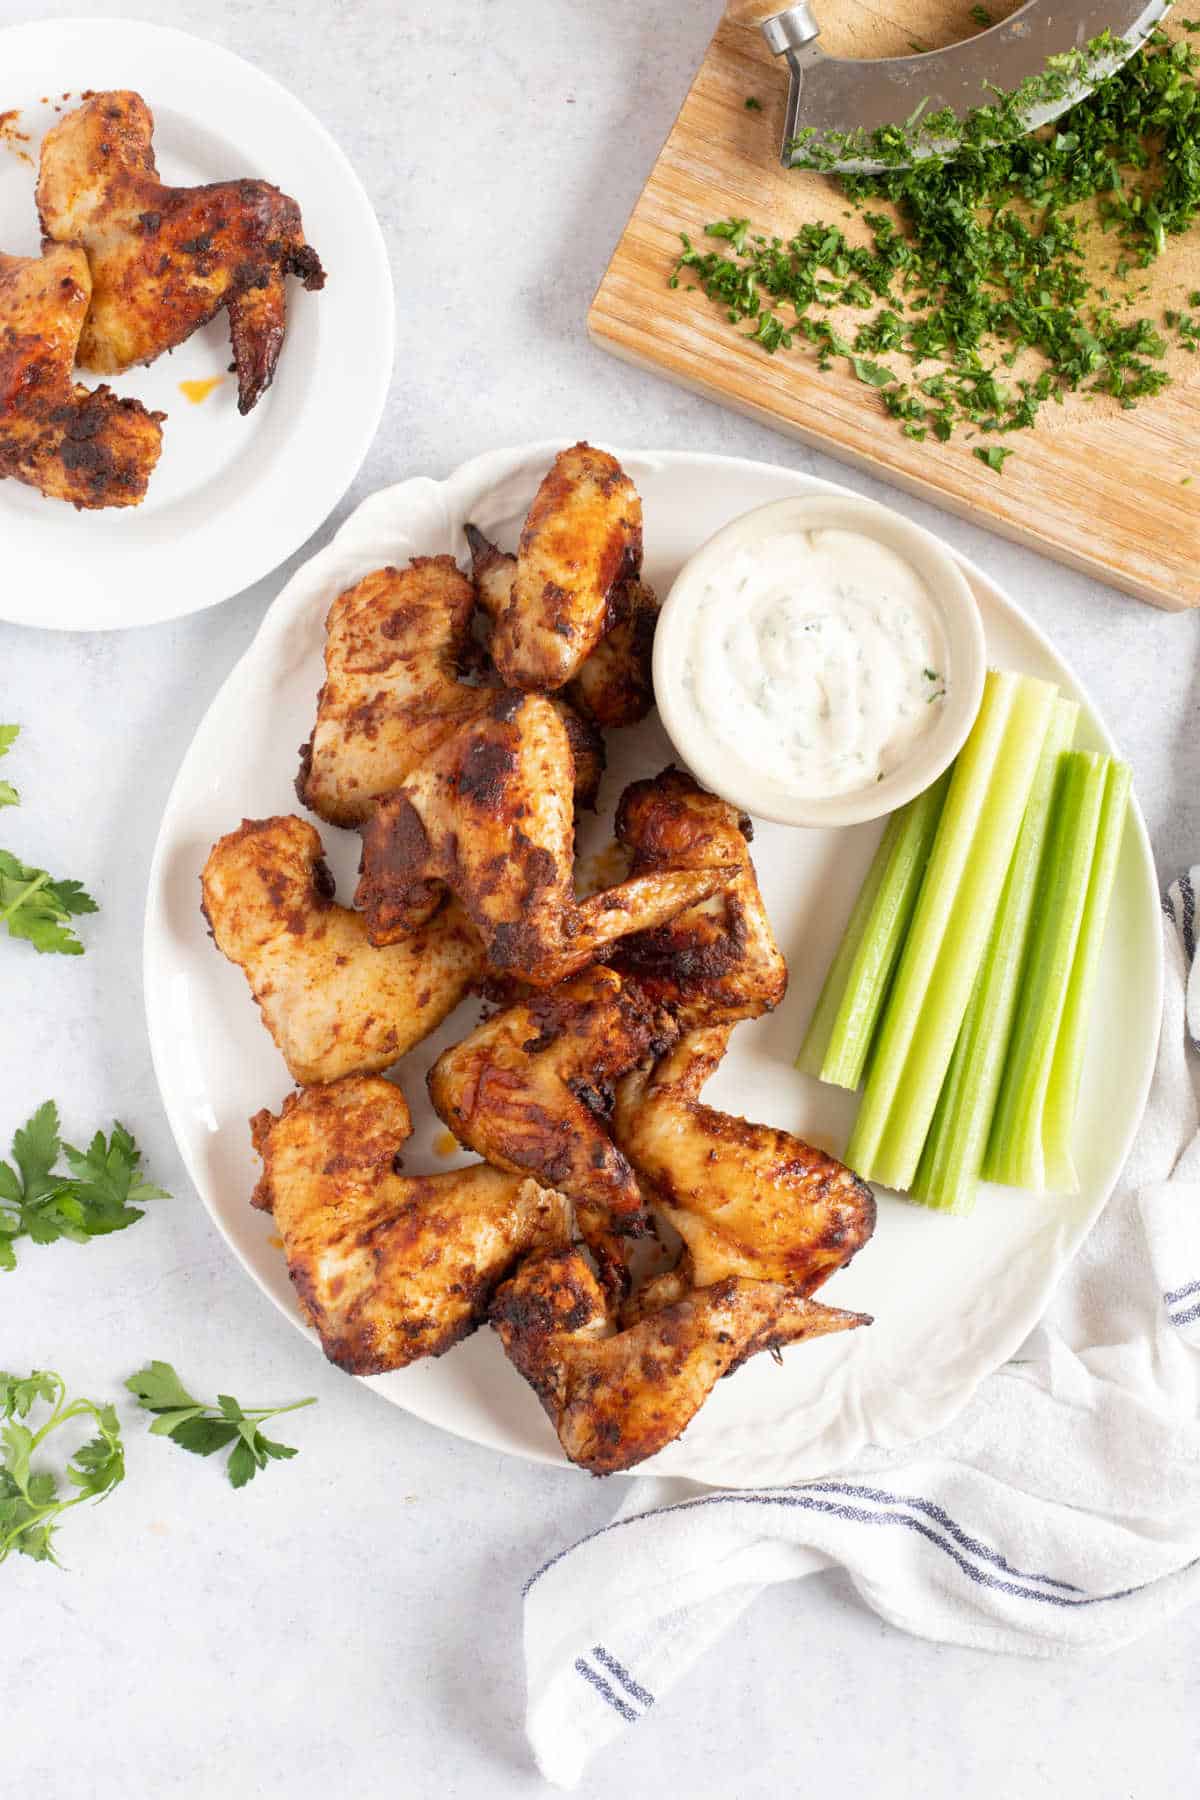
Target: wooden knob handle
[753, 12]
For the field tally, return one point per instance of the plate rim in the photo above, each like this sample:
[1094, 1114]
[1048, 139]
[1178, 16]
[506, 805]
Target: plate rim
[264, 553]
[498, 463]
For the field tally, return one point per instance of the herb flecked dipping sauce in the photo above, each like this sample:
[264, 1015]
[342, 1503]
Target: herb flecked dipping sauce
[818, 659]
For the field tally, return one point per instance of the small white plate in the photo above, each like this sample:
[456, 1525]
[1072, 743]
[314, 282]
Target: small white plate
[952, 1298]
[231, 497]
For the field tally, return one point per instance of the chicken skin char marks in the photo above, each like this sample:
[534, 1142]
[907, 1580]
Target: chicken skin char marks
[616, 1396]
[397, 645]
[334, 1004]
[580, 546]
[614, 686]
[489, 816]
[747, 1200]
[164, 259]
[68, 441]
[718, 961]
[389, 1268]
[528, 1090]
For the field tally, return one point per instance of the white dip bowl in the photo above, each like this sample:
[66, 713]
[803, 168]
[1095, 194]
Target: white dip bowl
[715, 761]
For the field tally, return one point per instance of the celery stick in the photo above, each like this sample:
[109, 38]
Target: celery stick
[847, 1013]
[950, 1164]
[1015, 1152]
[951, 926]
[1062, 1095]
[813, 1050]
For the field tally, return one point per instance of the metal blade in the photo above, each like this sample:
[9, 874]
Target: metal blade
[831, 94]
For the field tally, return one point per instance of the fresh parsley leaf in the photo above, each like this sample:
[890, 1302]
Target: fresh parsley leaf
[31, 1505]
[873, 373]
[32, 904]
[36, 907]
[979, 15]
[205, 1428]
[102, 1193]
[8, 737]
[994, 455]
[753, 104]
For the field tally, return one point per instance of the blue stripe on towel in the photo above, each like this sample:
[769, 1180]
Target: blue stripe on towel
[605, 1692]
[1189, 915]
[622, 1675]
[942, 1518]
[1193, 1287]
[814, 1502]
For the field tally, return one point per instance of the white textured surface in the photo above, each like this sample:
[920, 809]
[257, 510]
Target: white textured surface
[349, 1625]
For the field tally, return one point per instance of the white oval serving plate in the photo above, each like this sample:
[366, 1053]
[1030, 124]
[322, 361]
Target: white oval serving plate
[230, 497]
[952, 1298]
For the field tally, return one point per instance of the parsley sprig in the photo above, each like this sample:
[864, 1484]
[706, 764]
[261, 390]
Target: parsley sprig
[33, 905]
[201, 1427]
[101, 1192]
[31, 1502]
[8, 737]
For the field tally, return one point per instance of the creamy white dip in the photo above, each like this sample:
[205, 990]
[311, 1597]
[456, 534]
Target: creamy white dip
[816, 658]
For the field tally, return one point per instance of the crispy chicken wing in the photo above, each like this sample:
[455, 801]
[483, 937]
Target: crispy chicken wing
[614, 686]
[70, 442]
[164, 260]
[527, 1090]
[489, 816]
[718, 961]
[581, 544]
[616, 1397]
[747, 1200]
[389, 1267]
[334, 1004]
[396, 647]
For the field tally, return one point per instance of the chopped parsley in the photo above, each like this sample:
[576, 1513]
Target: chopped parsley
[1003, 278]
[753, 104]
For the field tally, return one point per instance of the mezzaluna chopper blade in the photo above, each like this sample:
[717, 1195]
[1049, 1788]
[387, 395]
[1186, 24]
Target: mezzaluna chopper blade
[833, 99]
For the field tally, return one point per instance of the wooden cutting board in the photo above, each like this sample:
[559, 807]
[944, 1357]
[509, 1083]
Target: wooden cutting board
[1098, 488]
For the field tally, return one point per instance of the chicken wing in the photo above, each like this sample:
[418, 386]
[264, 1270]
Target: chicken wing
[489, 816]
[747, 1200]
[68, 441]
[396, 647]
[164, 260]
[334, 1004]
[581, 544]
[616, 1397]
[529, 1088]
[718, 961]
[614, 686]
[389, 1268]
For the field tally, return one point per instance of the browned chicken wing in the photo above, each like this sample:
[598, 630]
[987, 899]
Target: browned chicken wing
[529, 1088]
[581, 544]
[718, 961]
[334, 1004]
[389, 1268]
[747, 1200]
[614, 686]
[489, 815]
[163, 259]
[68, 441]
[616, 1397]
[396, 647]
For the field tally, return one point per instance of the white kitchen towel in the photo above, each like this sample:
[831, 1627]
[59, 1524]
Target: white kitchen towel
[1060, 1512]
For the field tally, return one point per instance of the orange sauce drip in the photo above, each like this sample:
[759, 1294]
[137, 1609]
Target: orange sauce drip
[196, 391]
[276, 1243]
[445, 1143]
